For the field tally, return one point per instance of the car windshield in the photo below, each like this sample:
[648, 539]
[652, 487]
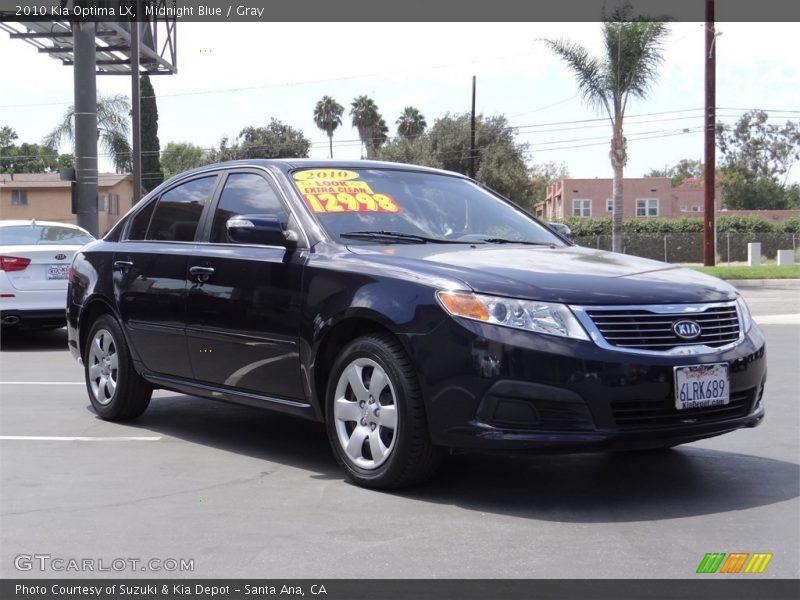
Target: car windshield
[41, 235]
[397, 206]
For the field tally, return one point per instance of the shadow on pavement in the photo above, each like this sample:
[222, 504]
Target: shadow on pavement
[580, 488]
[33, 340]
[248, 431]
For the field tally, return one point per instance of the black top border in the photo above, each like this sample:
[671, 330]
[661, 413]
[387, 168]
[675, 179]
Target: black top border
[340, 11]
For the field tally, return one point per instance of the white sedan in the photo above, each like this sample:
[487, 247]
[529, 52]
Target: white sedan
[34, 264]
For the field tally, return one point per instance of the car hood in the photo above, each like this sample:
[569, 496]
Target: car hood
[571, 274]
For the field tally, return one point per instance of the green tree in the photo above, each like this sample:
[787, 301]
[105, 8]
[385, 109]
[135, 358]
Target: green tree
[113, 129]
[366, 119]
[411, 123]
[756, 159]
[152, 174]
[760, 193]
[499, 160]
[276, 140]
[179, 157]
[687, 168]
[328, 117]
[28, 158]
[756, 148]
[628, 68]
[7, 137]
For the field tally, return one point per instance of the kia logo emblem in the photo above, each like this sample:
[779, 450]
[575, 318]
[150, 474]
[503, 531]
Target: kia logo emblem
[687, 330]
[61, 256]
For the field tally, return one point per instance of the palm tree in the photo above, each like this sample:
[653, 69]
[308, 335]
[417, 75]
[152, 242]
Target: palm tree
[328, 116]
[366, 119]
[633, 53]
[112, 130]
[411, 123]
[380, 136]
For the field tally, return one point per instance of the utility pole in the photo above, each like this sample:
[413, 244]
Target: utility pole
[136, 117]
[709, 176]
[85, 95]
[472, 134]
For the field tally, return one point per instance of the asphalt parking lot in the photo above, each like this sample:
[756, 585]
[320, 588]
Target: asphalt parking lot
[245, 493]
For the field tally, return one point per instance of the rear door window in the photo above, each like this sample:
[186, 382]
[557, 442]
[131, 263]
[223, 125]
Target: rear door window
[179, 209]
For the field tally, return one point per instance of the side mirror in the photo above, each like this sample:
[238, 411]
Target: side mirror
[560, 229]
[266, 230]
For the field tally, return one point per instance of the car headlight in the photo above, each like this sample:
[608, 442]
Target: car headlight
[540, 317]
[744, 314]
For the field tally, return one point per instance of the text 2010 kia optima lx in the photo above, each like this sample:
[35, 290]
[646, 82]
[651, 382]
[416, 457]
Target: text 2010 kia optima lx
[411, 310]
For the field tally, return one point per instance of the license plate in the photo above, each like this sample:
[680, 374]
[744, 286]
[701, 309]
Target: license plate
[57, 271]
[701, 386]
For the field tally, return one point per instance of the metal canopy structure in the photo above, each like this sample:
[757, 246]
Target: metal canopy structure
[146, 45]
[113, 46]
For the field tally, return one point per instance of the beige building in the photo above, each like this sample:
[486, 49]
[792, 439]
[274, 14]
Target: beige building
[643, 197]
[44, 196]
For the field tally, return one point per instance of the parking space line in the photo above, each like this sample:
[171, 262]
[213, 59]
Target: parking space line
[42, 383]
[57, 438]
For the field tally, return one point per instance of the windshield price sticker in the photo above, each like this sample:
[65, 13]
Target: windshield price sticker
[701, 386]
[339, 191]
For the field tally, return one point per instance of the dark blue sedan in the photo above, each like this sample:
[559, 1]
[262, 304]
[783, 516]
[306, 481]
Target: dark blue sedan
[412, 310]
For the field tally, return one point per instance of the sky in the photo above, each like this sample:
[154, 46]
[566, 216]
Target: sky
[233, 75]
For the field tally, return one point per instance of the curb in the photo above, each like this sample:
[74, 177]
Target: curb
[792, 284]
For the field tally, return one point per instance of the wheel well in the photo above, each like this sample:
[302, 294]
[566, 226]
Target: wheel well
[333, 343]
[88, 315]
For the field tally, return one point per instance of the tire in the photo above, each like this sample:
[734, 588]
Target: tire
[116, 390]
[376, 417]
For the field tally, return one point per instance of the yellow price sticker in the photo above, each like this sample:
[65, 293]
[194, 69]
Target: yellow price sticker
[344, 202]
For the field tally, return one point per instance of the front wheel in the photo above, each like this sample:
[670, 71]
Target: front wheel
[115, 388]
[376, 418]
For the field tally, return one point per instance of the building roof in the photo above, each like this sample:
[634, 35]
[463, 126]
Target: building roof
[53, 180]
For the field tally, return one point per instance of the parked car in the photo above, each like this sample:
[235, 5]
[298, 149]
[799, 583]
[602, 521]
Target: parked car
[34, 263]
[410, 309]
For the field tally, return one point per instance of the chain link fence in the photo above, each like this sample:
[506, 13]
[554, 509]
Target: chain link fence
[688, 247]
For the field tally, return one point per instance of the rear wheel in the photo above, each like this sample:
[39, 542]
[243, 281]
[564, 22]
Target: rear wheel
[376, 418]
[115, 388]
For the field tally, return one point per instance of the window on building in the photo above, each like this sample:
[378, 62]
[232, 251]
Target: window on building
[113, 204]
[581, 207]
[697, 208]
[609, 205]
[647, 207]
[19, 197]
[102, 204]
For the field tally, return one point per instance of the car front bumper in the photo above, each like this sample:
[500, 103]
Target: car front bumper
[495, 388]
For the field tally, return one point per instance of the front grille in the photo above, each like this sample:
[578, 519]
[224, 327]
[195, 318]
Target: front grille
[646, 414]
[644, 329]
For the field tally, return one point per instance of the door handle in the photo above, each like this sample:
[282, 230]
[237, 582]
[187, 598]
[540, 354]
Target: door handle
[202, 274]
[122, 265]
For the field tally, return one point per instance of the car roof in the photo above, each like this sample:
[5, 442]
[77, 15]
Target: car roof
[290, 164]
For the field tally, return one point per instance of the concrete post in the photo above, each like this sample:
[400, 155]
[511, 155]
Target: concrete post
[85, 125]
[754, 254]
[785, 257]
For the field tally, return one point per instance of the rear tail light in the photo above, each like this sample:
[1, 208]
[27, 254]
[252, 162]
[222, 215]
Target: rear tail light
[14, 263]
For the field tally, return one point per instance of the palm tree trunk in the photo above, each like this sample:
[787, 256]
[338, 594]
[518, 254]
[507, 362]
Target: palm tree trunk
[618, 157]
[330, 141]
[617, 243]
